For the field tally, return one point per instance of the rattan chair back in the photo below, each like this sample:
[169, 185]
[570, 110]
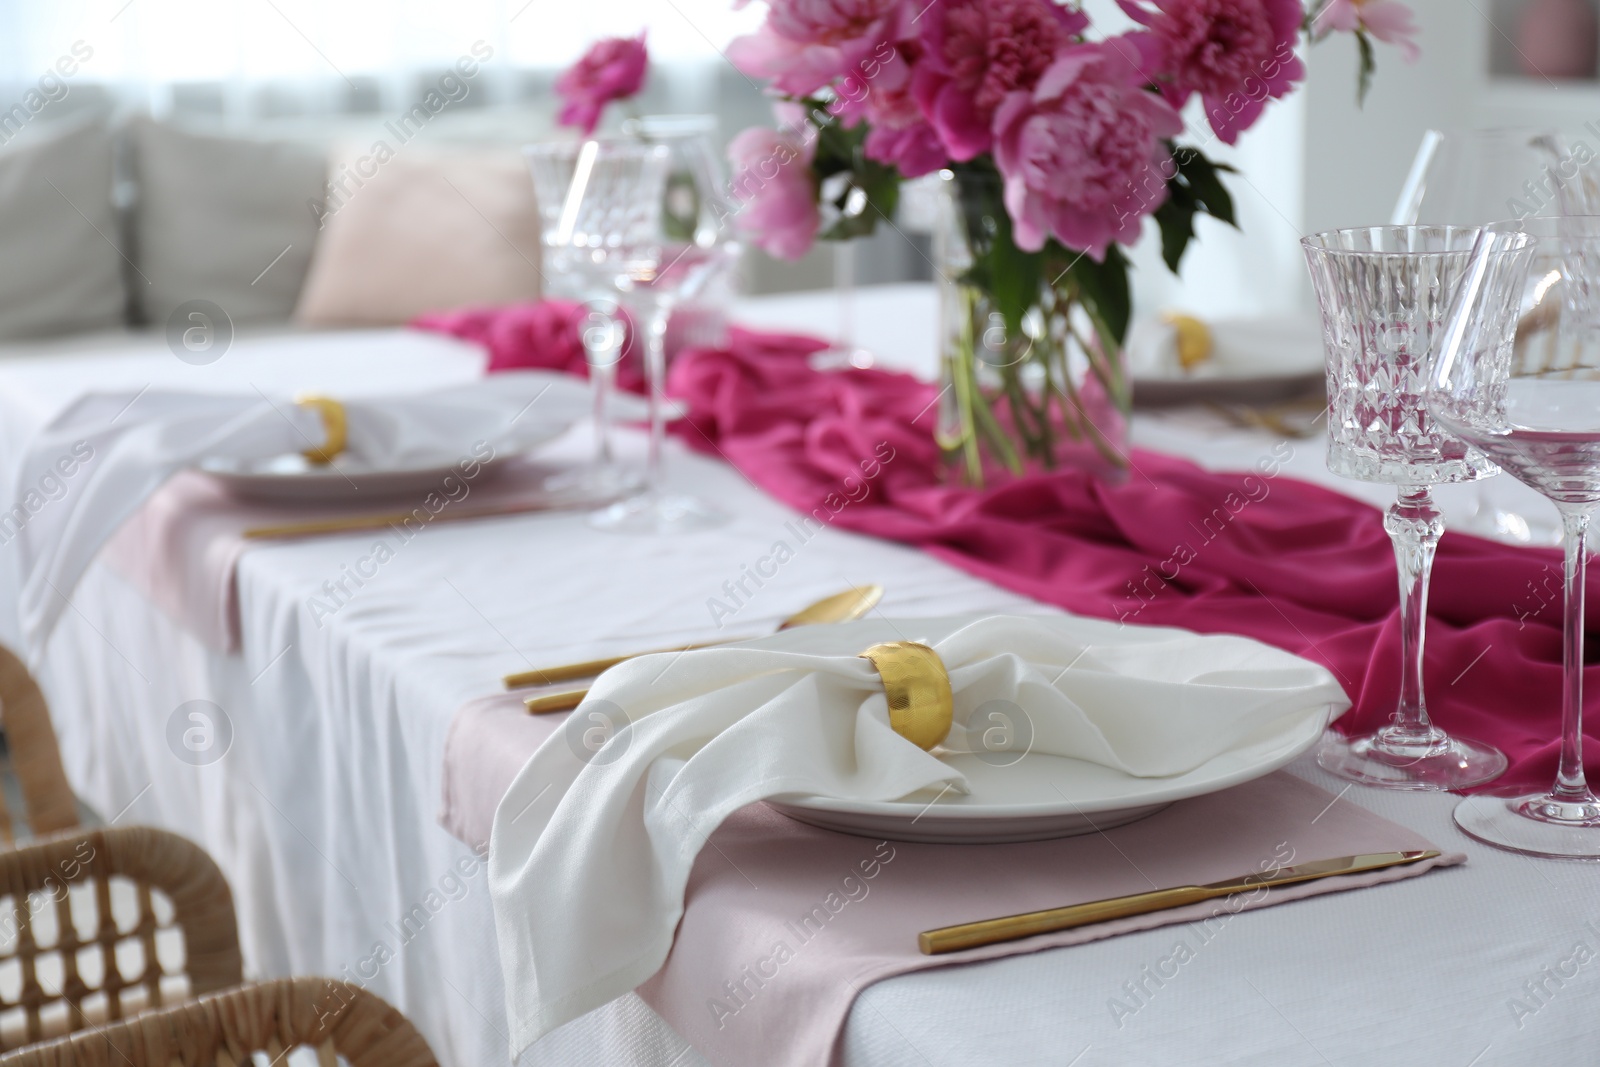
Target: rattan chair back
[98, 924]
[340, 1021]
[35, 756]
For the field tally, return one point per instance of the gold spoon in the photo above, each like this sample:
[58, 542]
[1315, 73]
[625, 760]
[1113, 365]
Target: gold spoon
[841, 607]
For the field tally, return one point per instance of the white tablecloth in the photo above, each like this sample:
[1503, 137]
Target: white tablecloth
[322, 811]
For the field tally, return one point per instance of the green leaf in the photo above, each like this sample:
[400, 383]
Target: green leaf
[1177, 230]
[1369, 63]
[1195, 187]
[1103, 288]
[883, 196]
[1202, 177]
[1014, 275]
[1009, 276]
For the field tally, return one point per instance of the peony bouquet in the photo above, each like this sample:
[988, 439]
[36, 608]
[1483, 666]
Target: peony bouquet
[1054, 143]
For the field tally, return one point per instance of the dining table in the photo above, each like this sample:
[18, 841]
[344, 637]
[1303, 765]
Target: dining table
[316, 782]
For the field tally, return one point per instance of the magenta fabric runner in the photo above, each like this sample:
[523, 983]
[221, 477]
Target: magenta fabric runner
[1288, 563]
[1254, 553]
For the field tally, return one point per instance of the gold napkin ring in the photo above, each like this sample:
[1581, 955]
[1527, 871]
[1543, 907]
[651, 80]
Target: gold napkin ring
[334, 425]
[1194, 339]
[921, 706]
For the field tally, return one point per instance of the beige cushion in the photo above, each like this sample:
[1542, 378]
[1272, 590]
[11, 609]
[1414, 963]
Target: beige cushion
[422, 231]
[225, 219]
[60, 262]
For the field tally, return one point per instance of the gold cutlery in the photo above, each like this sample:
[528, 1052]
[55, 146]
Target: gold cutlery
[1285, 420]
[1015, 927]
[357, 523]
[841, 607]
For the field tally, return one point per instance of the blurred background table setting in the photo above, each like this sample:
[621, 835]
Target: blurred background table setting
[817, 533]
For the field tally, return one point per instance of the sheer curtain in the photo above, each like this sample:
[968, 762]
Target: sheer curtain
[246, 59]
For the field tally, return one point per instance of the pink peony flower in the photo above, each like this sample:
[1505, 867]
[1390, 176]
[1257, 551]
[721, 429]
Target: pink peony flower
[915, 150]
[1082, 154]
[879, 93]
[1388, 20]
[977, 52]
[775, 189]
[1237, 54]
[806, 44]
[613, 69]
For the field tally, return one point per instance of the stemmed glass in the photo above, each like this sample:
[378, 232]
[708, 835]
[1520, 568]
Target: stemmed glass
[696, 204]
[1384, 292]
[1518, 375]
[655, 266]
[612, 234]
[575, 220]
[1473, 178]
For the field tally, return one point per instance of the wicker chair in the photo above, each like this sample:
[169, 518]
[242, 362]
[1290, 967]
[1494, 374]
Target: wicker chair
[98, 924]
[35, 757]
[337, 1019]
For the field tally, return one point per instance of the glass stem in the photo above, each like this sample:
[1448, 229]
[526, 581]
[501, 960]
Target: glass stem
[844, 287]
[655, 354]
[1414, 525]
[602, 379]
[1570, 783]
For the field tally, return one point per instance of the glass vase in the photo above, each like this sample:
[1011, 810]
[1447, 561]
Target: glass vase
[1041, 390]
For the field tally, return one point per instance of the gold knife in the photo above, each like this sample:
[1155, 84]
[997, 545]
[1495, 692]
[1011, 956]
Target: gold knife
[593, 668]
[357, 523]
[565, 700]
[1015, 927]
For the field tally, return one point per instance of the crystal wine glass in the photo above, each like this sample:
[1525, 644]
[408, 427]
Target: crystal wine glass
[575, 258]
[696, 205]
[654, 263]
[1384, 292]
[1475, 177]
[1518, 375]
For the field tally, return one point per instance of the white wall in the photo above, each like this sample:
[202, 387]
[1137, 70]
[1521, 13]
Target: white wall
[1316, 161]
[1356, 157]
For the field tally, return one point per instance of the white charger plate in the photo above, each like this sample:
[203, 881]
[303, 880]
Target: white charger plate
[1040, 796]
[295, 479]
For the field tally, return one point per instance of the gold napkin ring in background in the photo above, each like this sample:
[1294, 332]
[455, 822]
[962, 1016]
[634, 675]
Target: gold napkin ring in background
[1193, 336]
[334, 425]
[921, 706]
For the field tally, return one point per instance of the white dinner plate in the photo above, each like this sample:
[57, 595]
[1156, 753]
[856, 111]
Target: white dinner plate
[295, 479]
[1260, 360]
[1039, 796]
[1225, 389]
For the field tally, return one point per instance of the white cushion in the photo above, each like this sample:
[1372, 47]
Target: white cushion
[214, 212]
[60, 266]
[422, 230]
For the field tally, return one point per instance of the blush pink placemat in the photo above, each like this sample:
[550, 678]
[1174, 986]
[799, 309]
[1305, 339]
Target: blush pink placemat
[182, 548]
[784, 923]
[489, 740]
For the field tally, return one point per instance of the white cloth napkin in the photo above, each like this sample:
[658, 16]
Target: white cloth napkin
[1280, 346]
[591, 850]
[94, 464]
